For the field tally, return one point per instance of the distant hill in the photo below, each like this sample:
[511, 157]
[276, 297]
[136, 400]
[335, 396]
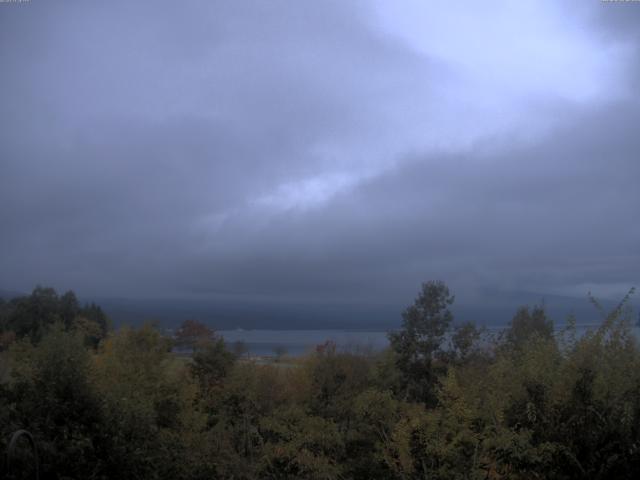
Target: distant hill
[8, 294]
[496, 309]
[229, 315]
[226, 315]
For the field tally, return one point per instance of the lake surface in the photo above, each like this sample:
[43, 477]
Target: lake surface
[299, 342]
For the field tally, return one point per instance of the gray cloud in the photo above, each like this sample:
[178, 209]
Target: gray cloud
[561, 215]
[299, 151]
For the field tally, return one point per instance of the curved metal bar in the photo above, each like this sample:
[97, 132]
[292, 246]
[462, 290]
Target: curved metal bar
[12, 446]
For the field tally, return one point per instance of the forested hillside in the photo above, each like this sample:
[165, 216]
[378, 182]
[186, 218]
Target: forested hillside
[445, 401]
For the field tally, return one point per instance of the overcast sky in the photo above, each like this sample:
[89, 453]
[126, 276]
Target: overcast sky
[320, 150]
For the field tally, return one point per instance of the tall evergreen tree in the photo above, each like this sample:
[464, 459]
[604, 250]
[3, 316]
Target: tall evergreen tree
[418, 345]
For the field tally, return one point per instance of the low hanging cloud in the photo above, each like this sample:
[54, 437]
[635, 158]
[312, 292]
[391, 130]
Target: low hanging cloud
[334, 151]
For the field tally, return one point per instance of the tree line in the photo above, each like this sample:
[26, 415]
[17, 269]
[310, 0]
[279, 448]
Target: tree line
[444, 401]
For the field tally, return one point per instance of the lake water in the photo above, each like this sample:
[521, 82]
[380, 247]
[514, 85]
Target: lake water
[299, 342]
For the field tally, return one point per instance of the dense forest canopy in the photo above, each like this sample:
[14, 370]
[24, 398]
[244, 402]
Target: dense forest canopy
[443, 401]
